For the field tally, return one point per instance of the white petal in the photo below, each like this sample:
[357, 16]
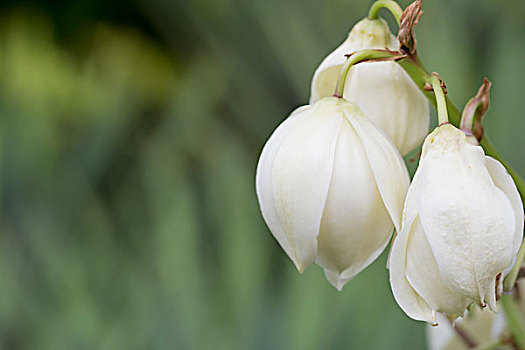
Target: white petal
[423, 275]
[469, 222]
[356, 226]
[439, 337]
[407, 298]
[388, 167]
[299, 179]
[263, 179]
[504, 182]
[326, 75]
[411, 204]
[365, 35]
[390, 99]
[481, 325]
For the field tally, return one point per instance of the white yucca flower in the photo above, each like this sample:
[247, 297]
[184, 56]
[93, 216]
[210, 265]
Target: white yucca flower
[331, 188]
[481, 325]
[382, 90]
[462, 228]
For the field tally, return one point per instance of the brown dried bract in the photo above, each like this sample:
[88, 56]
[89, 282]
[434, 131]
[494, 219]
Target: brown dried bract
[428, 87]
[483, 96]
[409, 20]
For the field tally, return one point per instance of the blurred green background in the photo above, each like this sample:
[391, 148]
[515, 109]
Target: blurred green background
[129, 136]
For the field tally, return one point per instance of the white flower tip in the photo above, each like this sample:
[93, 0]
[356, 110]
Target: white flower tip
[339, 284]
[433, 321]
[492, 305]
[299, 266]
[335, 279]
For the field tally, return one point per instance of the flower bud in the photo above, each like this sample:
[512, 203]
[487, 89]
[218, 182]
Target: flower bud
[331, 188]
[462, 228]
[382, 90]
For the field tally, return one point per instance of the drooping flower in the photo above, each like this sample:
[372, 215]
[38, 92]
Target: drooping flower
[382, 90]
[462, 228]
[480, 325]
[331, 188]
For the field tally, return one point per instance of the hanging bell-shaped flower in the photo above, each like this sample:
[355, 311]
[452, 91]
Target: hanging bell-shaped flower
[462, 228]
[382, 90]
[331, 188]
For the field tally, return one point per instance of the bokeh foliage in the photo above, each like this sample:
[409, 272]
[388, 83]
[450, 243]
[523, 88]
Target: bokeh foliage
[129, 136]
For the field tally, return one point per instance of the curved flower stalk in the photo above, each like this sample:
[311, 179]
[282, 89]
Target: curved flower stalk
[462, 228]
[382, 90]
[331, 188]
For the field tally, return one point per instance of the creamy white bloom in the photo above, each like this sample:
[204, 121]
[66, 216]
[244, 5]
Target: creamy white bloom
[382, 90]
[462, 227]
[331, 188]
[481, 325]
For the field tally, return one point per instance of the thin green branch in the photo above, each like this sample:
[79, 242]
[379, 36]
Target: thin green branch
[392, 6]
[441, 102]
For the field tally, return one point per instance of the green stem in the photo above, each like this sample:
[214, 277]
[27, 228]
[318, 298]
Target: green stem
[514, 321]
[360, 56]
[392, 6]
[510, 280]
[416, 71]
[440, 99]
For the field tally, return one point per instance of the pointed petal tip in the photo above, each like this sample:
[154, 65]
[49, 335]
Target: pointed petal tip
[338, 284]
[433, 319]
[335, 279]
[492, 305]
[299, 265]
